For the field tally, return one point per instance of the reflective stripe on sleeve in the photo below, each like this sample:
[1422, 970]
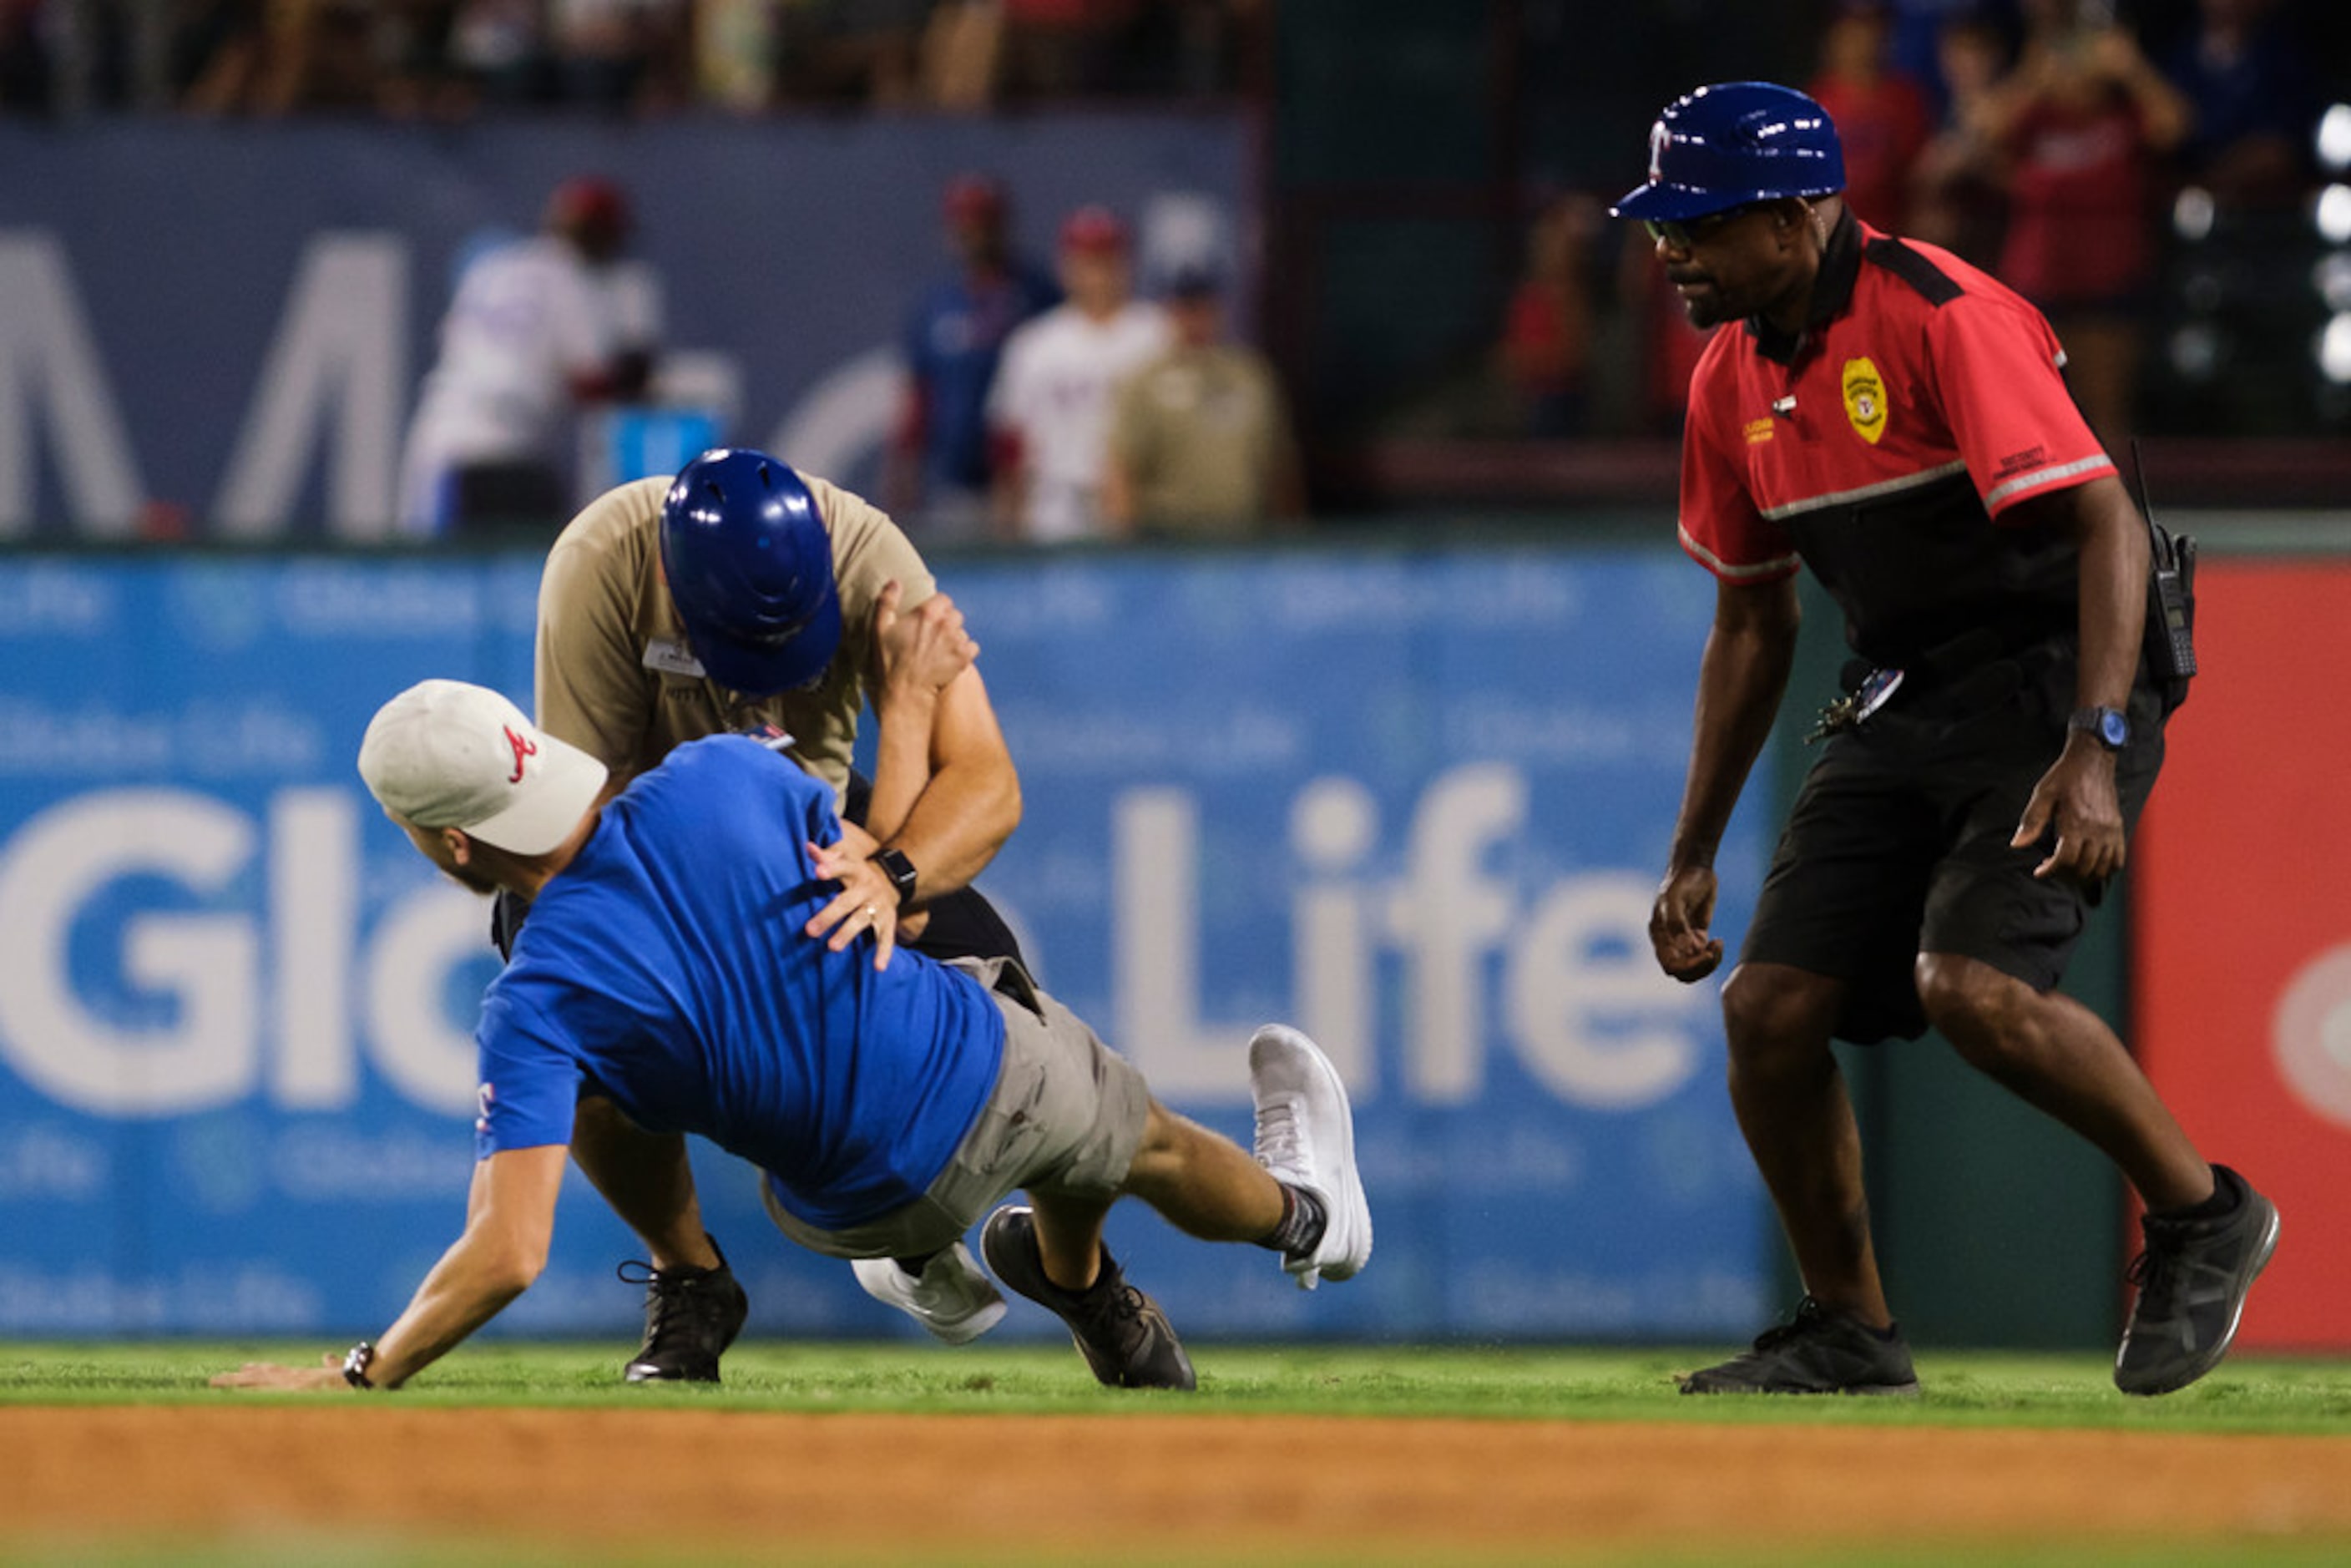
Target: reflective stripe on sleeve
[1778, 567]
[2041, 477]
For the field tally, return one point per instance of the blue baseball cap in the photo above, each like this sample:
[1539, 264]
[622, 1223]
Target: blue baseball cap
[750, 565]
[1735, 142]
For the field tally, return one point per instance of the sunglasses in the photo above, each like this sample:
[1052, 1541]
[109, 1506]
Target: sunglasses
[1684, 234]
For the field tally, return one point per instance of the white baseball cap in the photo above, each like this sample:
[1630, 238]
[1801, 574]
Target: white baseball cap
[445, 754]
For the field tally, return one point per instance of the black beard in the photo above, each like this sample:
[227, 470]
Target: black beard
[1706, 311]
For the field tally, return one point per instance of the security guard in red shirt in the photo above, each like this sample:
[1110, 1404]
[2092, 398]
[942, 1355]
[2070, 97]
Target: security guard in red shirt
[1896, 420]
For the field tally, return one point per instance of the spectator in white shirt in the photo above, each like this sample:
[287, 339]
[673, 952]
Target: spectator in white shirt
[1050, 407]
[540, 328]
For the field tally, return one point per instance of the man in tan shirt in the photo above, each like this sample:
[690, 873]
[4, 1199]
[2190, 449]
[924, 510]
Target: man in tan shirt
[744, 596]
[1200, 439]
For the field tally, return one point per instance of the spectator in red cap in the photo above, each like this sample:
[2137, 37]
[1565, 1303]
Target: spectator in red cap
[540, 328]
[1050, 408]
[935, 478]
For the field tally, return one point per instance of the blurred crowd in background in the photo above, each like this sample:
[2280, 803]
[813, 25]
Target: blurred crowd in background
[1042, 400]
[2170, 183]
[450, 58]
[2158, 187]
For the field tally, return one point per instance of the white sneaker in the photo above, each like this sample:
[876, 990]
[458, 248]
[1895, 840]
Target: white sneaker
[1306, 1137]
[951, 1298]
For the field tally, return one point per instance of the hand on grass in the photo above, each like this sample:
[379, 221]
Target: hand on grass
[268, 1375]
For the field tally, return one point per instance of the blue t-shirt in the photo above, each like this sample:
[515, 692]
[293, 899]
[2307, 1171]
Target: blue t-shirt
[953, 339]
[667, 966]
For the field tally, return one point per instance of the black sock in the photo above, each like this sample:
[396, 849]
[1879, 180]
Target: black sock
[2228, 1191]
[1302, 1221]
[913, 1267]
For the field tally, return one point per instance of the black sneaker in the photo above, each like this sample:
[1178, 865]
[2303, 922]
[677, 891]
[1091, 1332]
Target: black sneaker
[692, 1315]
[1120, 1330]
[2193, 1279]
[1823, 1350]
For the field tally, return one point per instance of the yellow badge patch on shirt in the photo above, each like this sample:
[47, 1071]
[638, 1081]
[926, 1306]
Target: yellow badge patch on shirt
[1759, 430]
[1865, 399]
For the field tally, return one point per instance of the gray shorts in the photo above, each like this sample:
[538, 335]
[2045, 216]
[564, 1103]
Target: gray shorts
[1067, 1116]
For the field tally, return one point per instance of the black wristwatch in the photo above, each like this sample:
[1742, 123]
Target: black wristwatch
[2110, 726]
[356, 1361]
[900, 873]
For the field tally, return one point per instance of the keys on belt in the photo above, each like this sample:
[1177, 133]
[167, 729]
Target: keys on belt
[1853, 710]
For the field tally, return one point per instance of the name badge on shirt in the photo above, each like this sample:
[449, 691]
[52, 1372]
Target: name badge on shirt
[672, 658]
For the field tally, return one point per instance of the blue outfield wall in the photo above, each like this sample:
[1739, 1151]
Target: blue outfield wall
[1416, 800]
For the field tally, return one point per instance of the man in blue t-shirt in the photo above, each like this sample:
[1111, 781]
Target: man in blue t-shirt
[888, 1100]
[939, 469]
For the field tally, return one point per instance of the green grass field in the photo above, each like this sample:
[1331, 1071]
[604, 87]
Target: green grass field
[1965, 1390]
[2248, 1394]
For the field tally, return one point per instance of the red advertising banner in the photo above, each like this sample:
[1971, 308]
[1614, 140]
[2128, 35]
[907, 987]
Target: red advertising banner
[2240, 955]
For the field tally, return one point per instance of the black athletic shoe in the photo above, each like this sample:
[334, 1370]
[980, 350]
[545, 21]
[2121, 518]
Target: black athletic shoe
[1823, 1350]
[1120, 1330]
[2193, 1279]
[692, 1315]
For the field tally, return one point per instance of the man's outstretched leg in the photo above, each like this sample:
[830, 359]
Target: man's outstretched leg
[1053, 1253]
[1123, 1334]
[1299, 1196]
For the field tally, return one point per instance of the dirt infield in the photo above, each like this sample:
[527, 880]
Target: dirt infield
[1186, 1485]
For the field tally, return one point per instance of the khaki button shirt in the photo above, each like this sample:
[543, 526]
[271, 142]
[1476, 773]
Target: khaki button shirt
[616, 677]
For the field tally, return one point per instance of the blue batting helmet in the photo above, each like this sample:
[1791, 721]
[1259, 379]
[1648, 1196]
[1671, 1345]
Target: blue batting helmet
[749, 563]
[1740, 141]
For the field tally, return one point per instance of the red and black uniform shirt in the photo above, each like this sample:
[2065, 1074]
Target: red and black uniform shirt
[1885, 446]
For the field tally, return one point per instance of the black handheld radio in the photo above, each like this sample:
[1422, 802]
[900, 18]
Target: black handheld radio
[2170, 601]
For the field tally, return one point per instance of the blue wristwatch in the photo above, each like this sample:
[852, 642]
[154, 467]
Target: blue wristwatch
[2111, 725]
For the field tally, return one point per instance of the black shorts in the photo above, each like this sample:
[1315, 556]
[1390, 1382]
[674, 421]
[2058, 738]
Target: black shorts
[1899, 843]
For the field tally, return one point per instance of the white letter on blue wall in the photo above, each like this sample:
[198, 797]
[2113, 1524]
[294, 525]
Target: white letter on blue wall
[50, 366]
[341, 346]
[1155, 957]
[208, 1053]
[1449, 914]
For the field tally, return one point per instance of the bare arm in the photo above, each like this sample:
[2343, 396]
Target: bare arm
[944, 792]
[966, 809]
[2164, 114]
[971, 803]
[2076, 796]
[1286, 490]
[509, 1219]
[1117, 496]
[1008, 486]
[1740, 681]
[916, 657]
